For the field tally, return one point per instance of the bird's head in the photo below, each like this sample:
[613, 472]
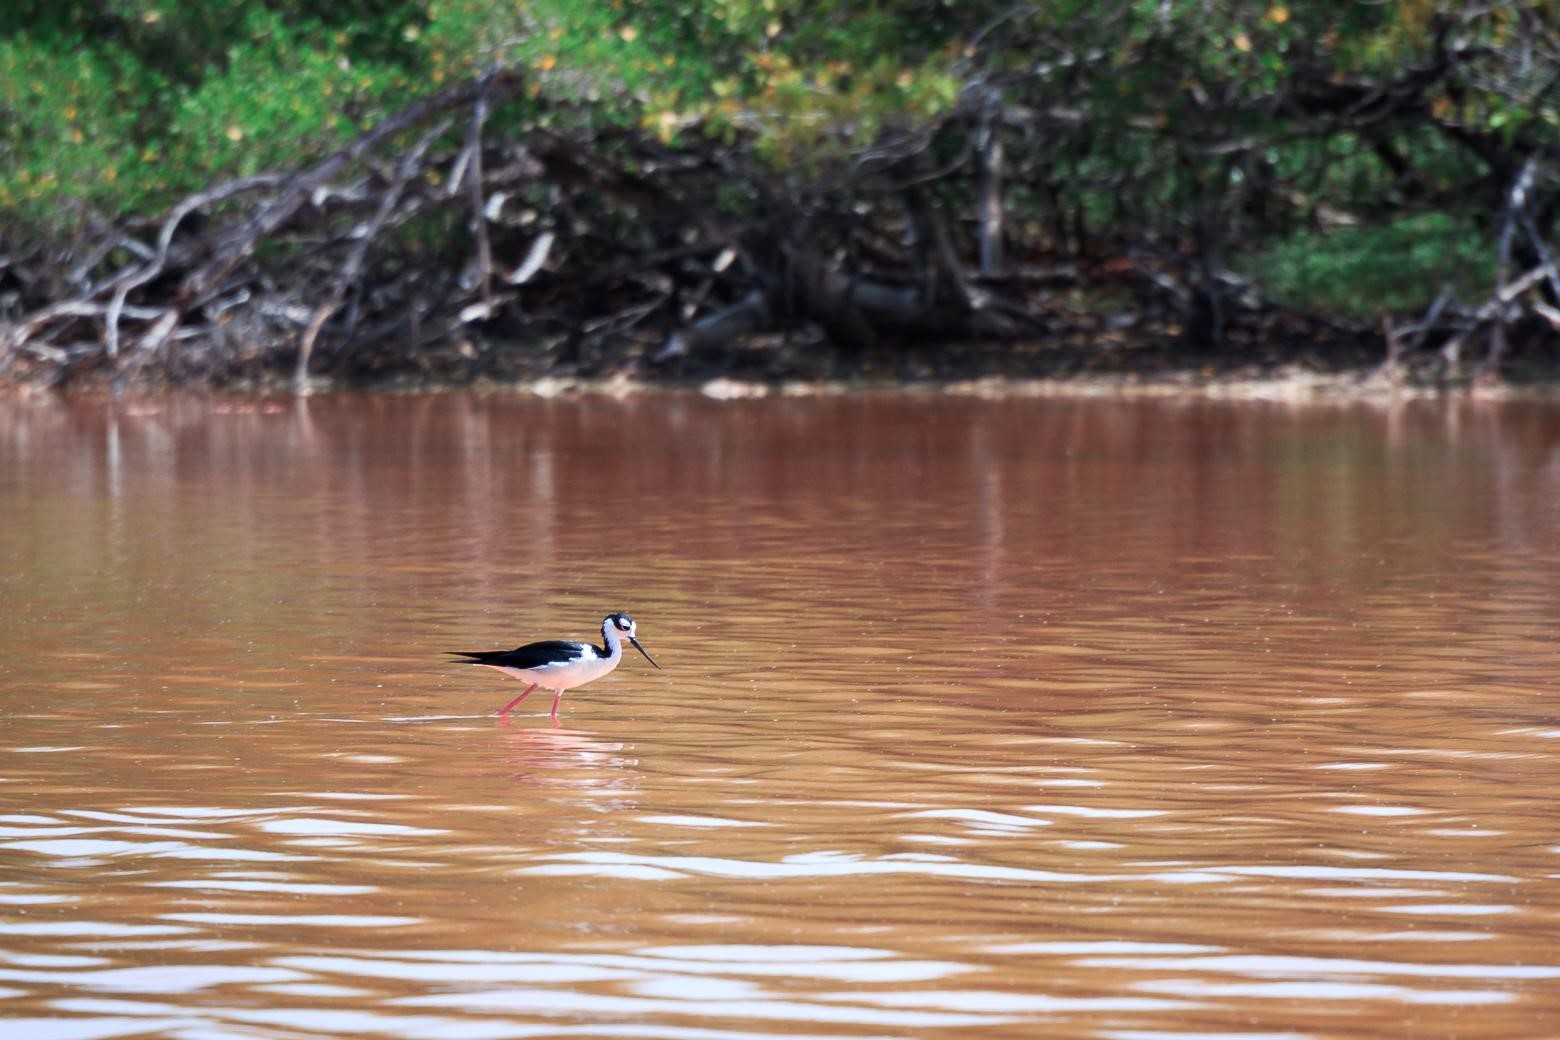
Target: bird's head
[625, 628]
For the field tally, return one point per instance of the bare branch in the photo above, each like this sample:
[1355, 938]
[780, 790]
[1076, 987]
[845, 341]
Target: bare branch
[407, 168]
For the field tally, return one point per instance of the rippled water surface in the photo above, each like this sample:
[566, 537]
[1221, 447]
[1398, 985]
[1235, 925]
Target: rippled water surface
[1135, 721]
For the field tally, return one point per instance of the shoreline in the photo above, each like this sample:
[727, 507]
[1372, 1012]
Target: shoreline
[1288, 387]
[1280, 382]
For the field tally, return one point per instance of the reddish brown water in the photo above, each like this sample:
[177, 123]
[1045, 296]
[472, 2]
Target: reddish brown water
[1134, 721]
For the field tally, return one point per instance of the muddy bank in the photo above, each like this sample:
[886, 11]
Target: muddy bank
[1068, 366]
[1141, 363]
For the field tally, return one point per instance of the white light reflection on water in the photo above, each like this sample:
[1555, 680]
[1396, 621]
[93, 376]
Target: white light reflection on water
[700, 1002]
[1328, 991]
[1274, 965]
[166, 978]
[351, 1023]
[845, 964]
[56, 1028]
[86, 929]
[313, 825]
[837, 864]
[296, 888]
[89, 847]
[311, 920]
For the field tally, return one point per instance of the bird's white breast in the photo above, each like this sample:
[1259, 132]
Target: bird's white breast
[564, 675]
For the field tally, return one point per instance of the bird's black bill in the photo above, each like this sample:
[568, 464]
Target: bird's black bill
[642, 650]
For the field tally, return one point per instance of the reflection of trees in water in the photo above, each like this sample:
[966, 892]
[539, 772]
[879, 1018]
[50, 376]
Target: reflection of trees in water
[500, 517]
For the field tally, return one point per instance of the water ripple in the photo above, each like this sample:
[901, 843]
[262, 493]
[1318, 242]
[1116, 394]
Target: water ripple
[978, 719]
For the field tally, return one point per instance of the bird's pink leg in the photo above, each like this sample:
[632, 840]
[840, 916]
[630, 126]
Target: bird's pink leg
[505, 709]
[556, 699]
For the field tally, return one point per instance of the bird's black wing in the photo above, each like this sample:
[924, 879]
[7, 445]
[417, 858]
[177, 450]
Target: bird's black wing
[532, 655]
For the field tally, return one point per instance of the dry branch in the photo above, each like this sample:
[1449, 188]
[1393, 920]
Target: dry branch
[409, 166]
[196, 268]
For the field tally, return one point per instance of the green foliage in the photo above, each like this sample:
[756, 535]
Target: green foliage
[1171, 121]
[122, 108]
[1361, 271]
[805, 80]
[66, 124]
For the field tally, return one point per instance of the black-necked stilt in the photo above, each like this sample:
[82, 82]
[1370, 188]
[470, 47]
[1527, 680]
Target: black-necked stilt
[560, 664]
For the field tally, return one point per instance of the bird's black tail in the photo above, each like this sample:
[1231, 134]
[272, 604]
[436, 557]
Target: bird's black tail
[476, 656]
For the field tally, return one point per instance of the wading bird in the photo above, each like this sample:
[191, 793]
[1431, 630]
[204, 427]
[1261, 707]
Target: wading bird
[560, 664]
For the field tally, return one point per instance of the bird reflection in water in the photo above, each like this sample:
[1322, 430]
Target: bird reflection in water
[566, 758]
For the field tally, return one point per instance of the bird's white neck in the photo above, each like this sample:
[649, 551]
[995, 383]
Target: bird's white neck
[609, 636]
